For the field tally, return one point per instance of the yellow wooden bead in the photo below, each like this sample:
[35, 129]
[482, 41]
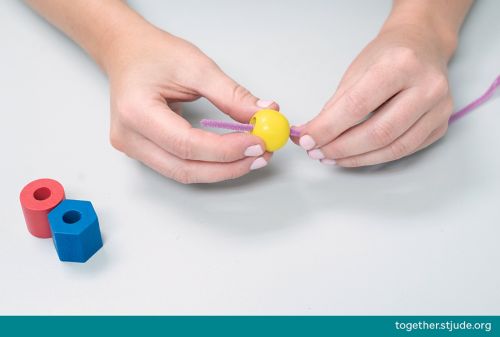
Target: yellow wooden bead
[272, 127]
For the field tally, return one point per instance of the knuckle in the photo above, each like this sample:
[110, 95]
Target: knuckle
[335, 150]
[383, 134]
[405, 59]
[182, 147]
[239, 93]
[116, 139]
[205, 67]
[182, 175]
[225, 155]
[127, 112]
[442, 131]
[236, 173]
[399, 149]
[224, 150]
[438, 86]
[385, 68]
[356, 104]
[351, 162]
[447, 110]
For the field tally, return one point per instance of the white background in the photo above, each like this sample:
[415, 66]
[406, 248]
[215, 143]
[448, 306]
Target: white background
[419, 236]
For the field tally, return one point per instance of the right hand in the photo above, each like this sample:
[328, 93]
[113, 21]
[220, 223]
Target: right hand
[150, 73]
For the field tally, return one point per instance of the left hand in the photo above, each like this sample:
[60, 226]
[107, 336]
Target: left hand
[393, 101]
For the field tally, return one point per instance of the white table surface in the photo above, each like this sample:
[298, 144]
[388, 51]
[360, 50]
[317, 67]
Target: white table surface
[418, 236]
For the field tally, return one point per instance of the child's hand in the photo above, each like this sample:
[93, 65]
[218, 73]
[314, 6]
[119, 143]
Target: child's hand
[400, 78]
[150, 73]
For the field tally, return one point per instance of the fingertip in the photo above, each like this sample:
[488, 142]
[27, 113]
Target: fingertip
[245, 114]
[254, 150]
[307, 142]
[267, 104]
[261, 162]
[268, 155]
[258, 163]
[275, 106]
[264, 103]
[255, 140]
[308, 137]
[246, 144]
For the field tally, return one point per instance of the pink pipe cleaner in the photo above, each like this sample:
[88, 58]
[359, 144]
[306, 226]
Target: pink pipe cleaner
[471, 106]
[213, 123]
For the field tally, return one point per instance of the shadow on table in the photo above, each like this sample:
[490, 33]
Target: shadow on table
[269, 200]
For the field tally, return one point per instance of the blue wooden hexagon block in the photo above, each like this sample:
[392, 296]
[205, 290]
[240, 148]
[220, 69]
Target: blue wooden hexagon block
[75, 230]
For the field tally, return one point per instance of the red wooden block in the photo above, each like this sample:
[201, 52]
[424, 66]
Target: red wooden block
[38, 198]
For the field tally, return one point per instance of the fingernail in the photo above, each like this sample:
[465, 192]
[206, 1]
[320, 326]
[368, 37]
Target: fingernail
[316, 154]
[264, 103]
[307, 142]
[258, 163]
[254, 151]
[328, 161]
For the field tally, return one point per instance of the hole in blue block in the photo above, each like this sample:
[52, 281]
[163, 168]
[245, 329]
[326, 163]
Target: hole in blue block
[72, 216]
[42, 193]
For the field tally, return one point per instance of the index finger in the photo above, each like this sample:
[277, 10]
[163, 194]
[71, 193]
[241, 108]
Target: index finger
[175, 135]
[374, 88]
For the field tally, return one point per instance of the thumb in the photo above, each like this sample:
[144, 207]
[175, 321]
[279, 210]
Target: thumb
[231, 98]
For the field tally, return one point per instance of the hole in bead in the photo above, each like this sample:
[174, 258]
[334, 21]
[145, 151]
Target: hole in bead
[71, 217]
[42, 193]
[253, 120]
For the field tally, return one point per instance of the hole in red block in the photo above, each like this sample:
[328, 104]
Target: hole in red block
[42, 193]
[71, 217]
